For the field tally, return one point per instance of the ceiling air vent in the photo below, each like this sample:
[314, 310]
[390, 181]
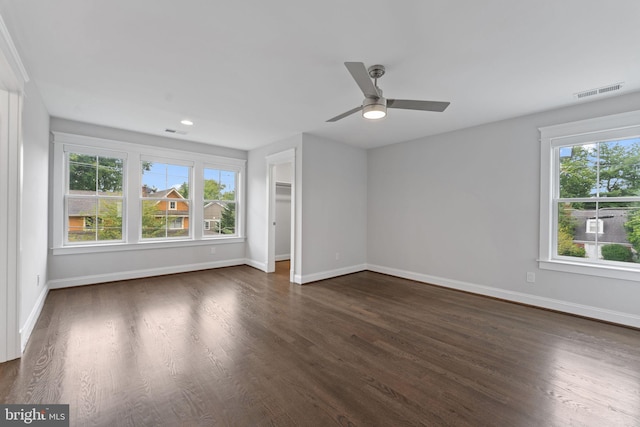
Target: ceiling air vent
[179, 132]
[599, 91]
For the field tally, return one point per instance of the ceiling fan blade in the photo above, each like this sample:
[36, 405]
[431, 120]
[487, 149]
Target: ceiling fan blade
[343, 115]
[361, 76]
[409, 104]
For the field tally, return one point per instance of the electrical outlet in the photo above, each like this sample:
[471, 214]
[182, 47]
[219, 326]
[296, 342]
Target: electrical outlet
[213, 250]
[37, 280]
[531, 277]
[337, 256]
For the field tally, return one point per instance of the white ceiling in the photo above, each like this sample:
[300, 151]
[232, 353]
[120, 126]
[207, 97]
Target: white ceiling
[252, 72]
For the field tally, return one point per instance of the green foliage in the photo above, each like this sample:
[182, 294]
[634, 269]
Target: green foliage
[617, 252]
[95, 173]
[152, 225]
[633, 229]
[110, 222]
[228, 219]
[184, 190]
[619, 168]
[577, 177]
[566, 232]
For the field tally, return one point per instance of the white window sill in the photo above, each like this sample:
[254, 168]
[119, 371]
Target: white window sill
[610, 271]
[118, 247]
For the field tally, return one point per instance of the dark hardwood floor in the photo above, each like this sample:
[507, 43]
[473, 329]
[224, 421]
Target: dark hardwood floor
[235, 346]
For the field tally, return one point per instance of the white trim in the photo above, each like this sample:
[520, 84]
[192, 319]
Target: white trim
[618, 317]
[30, 323]
[308, 278]
[256, 264]
[136, 274]
[622, 272]
[16, 79]
[158, 244]
[10, 248]
[162, 154]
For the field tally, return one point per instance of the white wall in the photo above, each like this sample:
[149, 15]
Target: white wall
[334, 208]
[78, 269]
[34, 212]
[461, 209]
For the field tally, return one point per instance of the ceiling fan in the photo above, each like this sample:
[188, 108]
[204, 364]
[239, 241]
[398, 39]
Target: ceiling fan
[375, 105]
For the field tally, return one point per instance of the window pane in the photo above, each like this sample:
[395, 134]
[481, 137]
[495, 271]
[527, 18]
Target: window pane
[110, 176]
[159, 178]
[154, 222]
[109, 219]
[219, 184]
[158, 221]
[90, 174]
[619, 168]
[227, 185]
[607, 231]
[219, 218]
[619, 235]
[81, 219]
[82, 173]
[570, 238]
[578, 171]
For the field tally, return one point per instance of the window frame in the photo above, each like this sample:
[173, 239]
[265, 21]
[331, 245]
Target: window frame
[206, 201]
[132, 183]
[68, 149]
[167, 200]
[552, 138]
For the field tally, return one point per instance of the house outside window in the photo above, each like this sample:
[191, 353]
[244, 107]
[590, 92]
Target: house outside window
[590, 197]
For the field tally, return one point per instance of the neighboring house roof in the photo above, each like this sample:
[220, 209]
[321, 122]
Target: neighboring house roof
[81, 206]
[85, 206]
[613, 221]
[164, 194]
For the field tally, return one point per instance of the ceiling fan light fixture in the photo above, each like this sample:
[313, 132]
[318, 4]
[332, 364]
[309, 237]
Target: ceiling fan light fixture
[374, 109]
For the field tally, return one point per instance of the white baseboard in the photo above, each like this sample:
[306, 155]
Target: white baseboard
[283, 257]
[136, 274]
[262, 266]
[543, 302]
[30, 323]
[308, 278]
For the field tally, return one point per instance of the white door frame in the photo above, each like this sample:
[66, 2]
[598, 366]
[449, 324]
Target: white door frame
[13, 77]
[287, 156]
[10, 195]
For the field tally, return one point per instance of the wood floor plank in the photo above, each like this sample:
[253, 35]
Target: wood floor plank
[235, 346]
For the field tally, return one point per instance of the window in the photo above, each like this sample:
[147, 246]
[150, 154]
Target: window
[166, 203]
[93, 198]
[219, 202]
[111, 195]
[594, 226]
[590, 196]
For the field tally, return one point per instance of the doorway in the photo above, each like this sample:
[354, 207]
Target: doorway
[281, 211]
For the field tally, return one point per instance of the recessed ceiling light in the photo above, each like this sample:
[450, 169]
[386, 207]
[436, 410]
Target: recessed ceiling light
[187, 122]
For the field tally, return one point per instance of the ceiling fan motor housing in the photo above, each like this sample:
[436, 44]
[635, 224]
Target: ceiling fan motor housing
[374, 101]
